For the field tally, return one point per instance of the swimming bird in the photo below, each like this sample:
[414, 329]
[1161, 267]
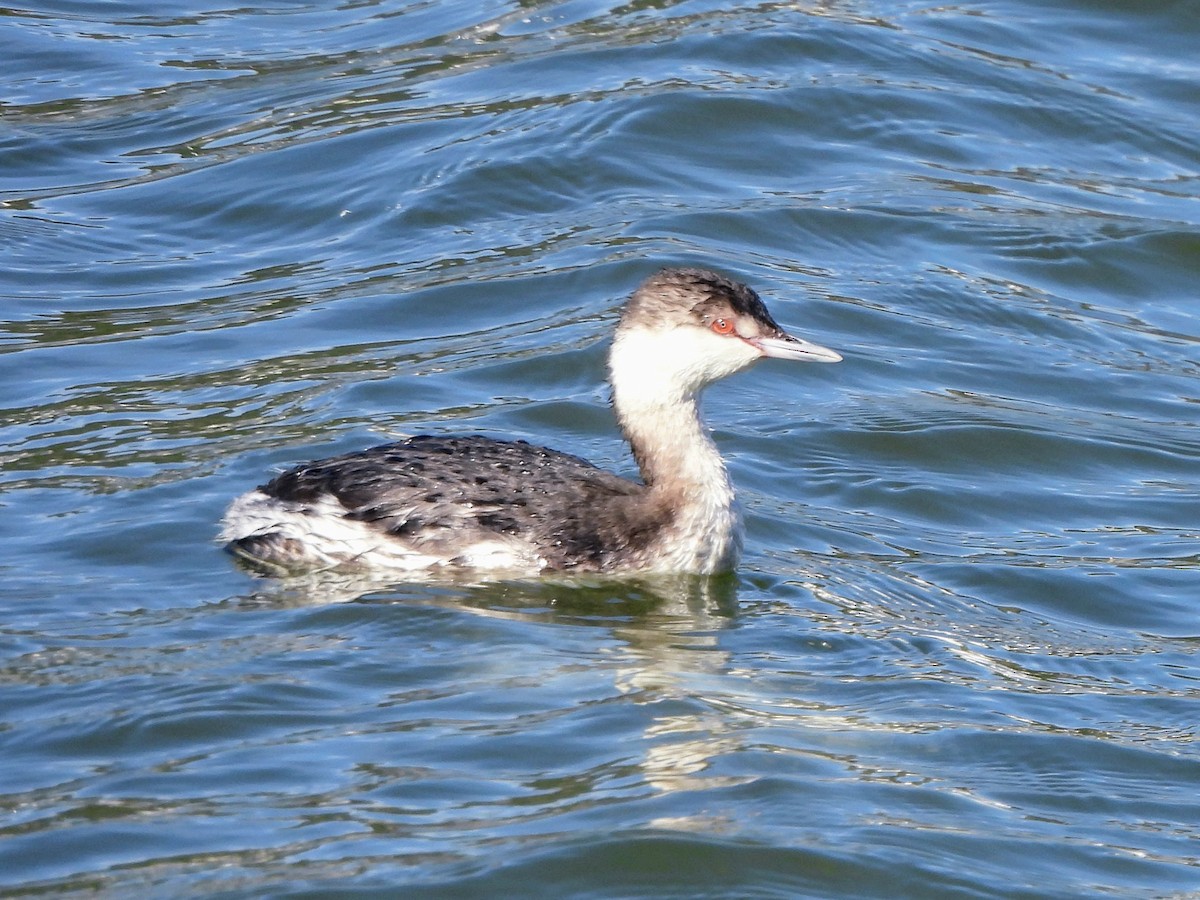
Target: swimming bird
[476, 505]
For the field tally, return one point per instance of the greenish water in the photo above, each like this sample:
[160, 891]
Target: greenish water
[960, 658]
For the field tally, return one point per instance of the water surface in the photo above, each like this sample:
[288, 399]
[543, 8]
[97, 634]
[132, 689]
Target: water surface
[960, 656]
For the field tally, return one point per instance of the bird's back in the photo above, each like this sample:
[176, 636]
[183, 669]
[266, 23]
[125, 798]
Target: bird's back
[447, 501]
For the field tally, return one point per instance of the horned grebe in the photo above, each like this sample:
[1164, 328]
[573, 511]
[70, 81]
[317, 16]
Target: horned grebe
[478, 504]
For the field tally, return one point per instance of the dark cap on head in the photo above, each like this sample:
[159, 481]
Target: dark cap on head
[676, 295]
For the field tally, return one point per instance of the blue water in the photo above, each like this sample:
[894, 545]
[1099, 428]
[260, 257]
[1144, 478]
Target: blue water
[960, 657]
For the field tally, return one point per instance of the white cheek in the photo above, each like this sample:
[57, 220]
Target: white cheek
[683, 358]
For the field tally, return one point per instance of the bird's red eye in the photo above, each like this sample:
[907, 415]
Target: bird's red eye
[722, 326]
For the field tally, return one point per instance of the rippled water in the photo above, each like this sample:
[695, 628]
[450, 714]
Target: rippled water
[960, 657]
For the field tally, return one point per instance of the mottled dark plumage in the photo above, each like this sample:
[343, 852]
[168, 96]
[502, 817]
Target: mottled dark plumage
[438, 492]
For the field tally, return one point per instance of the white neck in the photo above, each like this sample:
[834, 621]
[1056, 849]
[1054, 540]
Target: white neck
[657, 406]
